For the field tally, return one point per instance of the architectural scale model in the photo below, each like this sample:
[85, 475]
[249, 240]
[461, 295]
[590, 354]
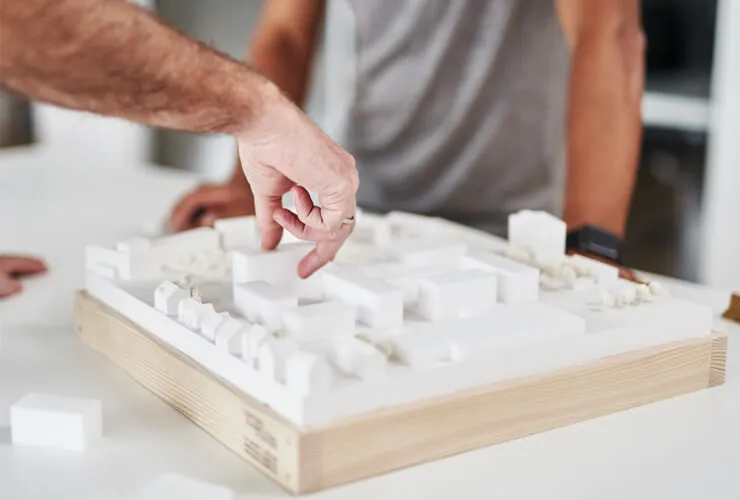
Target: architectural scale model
[423, 339]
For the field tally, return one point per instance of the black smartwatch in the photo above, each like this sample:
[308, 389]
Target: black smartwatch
[595, 241]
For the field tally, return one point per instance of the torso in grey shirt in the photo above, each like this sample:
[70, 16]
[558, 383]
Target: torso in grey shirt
[452, 108]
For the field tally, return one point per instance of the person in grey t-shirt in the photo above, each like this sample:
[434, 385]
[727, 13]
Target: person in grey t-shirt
[464, 109]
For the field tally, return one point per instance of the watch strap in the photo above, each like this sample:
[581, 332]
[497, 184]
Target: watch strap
[595, 241]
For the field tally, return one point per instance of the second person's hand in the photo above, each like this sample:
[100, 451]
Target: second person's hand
[210, 202]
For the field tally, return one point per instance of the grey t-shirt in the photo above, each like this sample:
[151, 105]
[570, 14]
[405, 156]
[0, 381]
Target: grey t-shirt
[452, 108]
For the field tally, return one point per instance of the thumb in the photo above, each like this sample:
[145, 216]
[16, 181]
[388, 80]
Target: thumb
[270, 231]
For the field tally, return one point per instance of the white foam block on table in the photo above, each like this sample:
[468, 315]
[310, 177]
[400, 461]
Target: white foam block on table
[456, 294]
[317, 322]
[428, 252]
[262, 302]
[379, 304]
[517, 282]
[56, 422]
[176, 487]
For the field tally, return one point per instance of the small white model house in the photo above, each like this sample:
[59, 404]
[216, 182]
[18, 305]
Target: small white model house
[307, 374]
[272, 357]
[167, 297]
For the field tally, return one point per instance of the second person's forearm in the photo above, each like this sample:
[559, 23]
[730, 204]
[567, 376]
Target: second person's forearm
[604, 130]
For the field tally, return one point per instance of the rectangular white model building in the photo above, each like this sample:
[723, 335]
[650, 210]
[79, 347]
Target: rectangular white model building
[539, 233]
[318, 322]
[56, 422]
[517, 282]
[278, 267]
[379, 304]
[262, 302]
[456, 294]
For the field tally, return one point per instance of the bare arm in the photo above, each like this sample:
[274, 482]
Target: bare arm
[604, 120]
[110, 57]
[282, 49]
[113, 58]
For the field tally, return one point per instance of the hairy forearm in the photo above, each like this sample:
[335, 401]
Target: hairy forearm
[604, 127]
[113, 58]
[286, 64]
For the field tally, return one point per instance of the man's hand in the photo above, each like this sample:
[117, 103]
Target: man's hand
[210, 202]
[13, 267]
[287, 152]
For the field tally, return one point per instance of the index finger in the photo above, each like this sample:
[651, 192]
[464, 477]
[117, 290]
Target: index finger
[322, 254]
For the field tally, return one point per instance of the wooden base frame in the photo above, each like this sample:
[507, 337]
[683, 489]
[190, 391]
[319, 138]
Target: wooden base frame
[305, 460]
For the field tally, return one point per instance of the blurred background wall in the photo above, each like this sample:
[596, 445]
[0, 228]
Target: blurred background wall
[669, 231]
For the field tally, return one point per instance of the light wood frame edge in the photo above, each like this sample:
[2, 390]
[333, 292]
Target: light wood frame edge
[304, 461]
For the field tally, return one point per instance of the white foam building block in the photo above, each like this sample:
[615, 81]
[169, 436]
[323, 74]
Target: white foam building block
[167, 297]
[191, 312]
[456, 294]
[237, 232]
[517, 282]
[404, 277]
[428, 252]
[211, 322]
[428, 344]
[278, 267]
[318, 322]
[540, 233]
[379, 304]
[229, 334]
[603, 274]
[358, 358]
[262, 302]
[273, 355]
[52, 421]
[176, 487]
[306, 373]
[251, 343]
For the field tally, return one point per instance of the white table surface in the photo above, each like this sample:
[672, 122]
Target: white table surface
[680, 449]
